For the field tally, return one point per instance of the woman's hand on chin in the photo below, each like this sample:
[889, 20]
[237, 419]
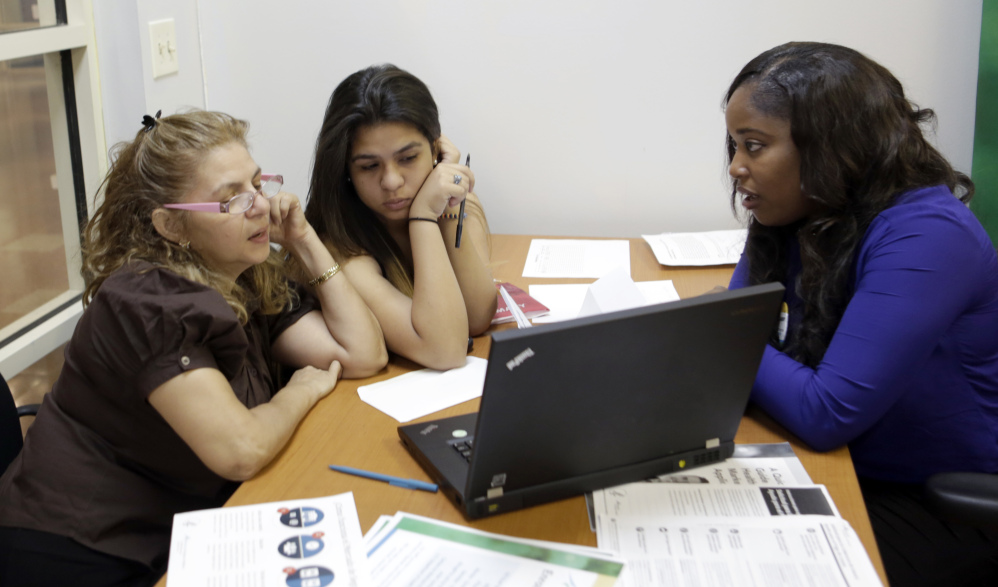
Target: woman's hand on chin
[288, 226]
[446, 186]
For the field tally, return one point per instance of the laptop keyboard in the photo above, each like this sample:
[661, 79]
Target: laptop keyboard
[464, 447]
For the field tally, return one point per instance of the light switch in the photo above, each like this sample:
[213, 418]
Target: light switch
[163, 41]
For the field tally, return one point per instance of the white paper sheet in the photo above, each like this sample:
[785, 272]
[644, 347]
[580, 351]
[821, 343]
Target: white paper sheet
[718, 247]
[412, 550]
[565, 300]
[802, 550]
[418, 393]
[657, 292]
[294, 542]
[576, 258]
[705, 501]
[610, 293]
[714, 533]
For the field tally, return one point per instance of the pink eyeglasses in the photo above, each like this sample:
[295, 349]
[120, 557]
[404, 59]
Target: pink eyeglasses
[238, 203]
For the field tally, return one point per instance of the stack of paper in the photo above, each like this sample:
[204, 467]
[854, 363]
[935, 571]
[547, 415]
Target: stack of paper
[804, 550]
[755, 519]
[295, 542]
[413, 550]
[718, 247]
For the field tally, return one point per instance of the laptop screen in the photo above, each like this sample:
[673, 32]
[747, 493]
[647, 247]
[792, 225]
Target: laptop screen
[580, 398]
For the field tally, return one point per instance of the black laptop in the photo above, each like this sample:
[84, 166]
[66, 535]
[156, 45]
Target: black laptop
[575, 406]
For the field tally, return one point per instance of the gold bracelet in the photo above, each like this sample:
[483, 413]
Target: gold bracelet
[325, 276]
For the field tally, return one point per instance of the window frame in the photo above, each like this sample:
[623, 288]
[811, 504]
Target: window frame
[70, 60]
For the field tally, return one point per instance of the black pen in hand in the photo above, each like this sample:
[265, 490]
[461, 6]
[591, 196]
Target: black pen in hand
[460, 213]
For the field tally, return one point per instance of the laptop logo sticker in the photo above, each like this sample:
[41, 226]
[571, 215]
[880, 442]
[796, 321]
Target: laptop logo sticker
[498, 480]
[519, 359]
[428, 429]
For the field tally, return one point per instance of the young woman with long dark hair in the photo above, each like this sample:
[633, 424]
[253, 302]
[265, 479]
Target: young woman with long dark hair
[385, 198]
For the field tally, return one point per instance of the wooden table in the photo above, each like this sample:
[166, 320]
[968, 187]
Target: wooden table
[342, 429]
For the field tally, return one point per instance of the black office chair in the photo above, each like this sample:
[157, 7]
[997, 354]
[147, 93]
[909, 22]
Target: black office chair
[968, 498]
[10, 425]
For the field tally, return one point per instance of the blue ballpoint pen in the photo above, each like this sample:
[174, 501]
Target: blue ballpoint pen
[396, 481]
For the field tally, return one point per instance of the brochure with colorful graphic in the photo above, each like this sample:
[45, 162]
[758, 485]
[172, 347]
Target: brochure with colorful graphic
[412, 550]
[295, 543]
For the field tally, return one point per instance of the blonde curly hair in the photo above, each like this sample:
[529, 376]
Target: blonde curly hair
[158, 167]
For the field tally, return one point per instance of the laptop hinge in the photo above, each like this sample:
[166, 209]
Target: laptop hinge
[493, 493]
[713, 443]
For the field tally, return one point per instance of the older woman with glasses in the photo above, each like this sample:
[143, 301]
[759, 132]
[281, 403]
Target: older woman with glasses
[170, 394]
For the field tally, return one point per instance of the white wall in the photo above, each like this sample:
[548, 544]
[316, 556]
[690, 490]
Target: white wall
[584, 117]
[124, 53]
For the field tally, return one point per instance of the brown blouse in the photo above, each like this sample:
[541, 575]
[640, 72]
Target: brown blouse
[99, 464]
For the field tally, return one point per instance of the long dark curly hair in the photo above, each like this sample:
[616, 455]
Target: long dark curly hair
[861, 145]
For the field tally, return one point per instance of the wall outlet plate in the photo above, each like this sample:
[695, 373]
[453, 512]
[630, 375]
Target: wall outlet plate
[163, 44]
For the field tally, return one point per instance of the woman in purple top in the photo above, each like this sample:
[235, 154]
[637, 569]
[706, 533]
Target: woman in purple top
[891, 345]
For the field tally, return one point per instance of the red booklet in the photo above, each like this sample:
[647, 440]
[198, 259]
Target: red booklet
[529, 305]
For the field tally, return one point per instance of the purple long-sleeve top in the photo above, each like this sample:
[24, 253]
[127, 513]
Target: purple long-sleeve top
[910, 378]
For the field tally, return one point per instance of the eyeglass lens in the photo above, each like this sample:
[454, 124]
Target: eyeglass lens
[244, 201]
[272, 186]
